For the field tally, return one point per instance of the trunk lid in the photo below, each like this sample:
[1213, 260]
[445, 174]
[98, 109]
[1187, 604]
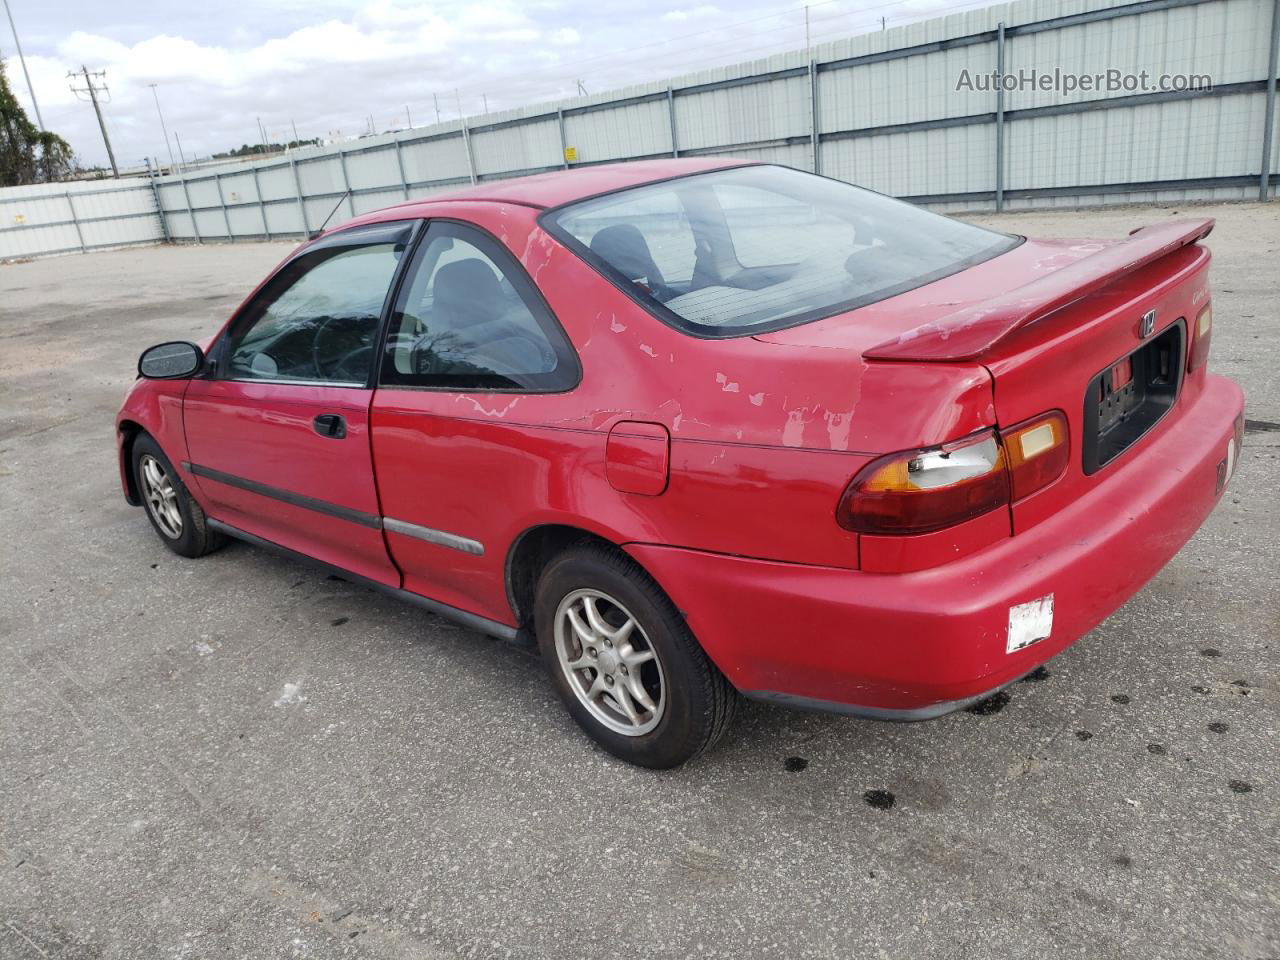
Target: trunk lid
[1058, 325]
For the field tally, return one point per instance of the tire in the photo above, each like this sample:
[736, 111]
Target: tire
[177, 519]
[689, 702]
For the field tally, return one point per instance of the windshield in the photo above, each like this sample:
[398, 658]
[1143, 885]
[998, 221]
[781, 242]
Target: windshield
[757, 248]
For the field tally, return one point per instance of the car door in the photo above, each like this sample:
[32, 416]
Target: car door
[469, 341]
[278, 435]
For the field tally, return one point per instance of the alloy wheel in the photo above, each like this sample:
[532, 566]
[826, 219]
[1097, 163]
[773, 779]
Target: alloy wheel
[161, 496]
[610, 664]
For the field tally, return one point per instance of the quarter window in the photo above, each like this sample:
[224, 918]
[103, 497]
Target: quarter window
[469, 318]
[317, 321]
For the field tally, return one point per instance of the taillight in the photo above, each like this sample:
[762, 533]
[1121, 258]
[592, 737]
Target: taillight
[1198, 355]
[1037, 452]
[918, 491]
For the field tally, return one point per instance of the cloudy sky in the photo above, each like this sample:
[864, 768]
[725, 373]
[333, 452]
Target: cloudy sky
[330, 66]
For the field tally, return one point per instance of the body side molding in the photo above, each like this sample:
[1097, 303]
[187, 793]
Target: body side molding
[467, 619]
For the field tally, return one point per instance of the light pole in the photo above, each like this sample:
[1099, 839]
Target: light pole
[162, 127]
[23, 60]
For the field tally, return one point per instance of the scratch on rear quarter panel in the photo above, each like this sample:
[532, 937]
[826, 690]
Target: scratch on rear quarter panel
[793, 431]
[480, 408]
[838, 426]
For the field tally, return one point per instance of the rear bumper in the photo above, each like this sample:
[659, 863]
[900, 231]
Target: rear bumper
[916, 645]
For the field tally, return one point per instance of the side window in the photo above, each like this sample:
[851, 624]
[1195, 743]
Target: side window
[317, 321]
[469, 318]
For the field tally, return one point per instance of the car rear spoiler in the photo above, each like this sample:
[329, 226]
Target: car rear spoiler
[971, 332]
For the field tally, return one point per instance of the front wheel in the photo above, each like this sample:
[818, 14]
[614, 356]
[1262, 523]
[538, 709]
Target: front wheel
[173, 512]
[625, 663]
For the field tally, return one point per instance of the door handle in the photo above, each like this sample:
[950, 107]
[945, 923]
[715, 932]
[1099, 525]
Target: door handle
[330, 425]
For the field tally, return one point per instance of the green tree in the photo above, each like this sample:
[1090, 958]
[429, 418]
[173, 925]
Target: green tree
[27, 155]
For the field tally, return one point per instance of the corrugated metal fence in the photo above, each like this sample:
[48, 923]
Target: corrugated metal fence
[889, 110]
[49, 218]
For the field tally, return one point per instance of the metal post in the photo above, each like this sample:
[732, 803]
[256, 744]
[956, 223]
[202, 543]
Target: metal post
[178, 140]
[262, 207]
[191, 211]
[346, 181]
[1268, 130]
[466, 138]
[226, 217]
[75, 218]
[404, 181]
[814, 139]
[302, 206]
[671, 119]
[564, 143]
[1000, 117]
[163, 130]
[23, 60]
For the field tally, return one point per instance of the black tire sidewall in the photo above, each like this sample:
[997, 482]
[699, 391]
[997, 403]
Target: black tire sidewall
[192, 543]
[686, 724]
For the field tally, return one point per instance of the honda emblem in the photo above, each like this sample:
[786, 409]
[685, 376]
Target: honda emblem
[1148, 324]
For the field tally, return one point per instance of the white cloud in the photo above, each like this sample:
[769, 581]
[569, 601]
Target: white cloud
[694, 13]
[328, 68]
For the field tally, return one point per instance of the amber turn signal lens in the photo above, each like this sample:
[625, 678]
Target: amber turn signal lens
[1201, 333]
[1037, 451]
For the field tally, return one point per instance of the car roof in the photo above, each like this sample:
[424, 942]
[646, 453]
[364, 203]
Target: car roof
[546, 190]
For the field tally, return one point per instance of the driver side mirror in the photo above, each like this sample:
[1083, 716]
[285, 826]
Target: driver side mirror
[175, 360]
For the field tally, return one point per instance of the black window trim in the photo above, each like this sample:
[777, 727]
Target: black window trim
[514, 270]
[549, 221]
[217, 365]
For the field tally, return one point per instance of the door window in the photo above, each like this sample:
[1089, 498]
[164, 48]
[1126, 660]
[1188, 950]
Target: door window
[317, 320]
[469, 318]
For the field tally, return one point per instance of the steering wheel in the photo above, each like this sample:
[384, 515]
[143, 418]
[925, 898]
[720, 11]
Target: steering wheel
[333, 368]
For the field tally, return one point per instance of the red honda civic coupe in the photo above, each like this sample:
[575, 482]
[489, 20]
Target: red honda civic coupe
[701, 428]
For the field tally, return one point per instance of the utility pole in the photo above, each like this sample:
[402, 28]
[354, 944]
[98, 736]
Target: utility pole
[162, 126]
[262, 132]
[485, 98]
[582, 91]
[408, 117]
[806, 33]
[436, 99]
[181, 155]
[296, 141]
[23, 60]
[92, 90]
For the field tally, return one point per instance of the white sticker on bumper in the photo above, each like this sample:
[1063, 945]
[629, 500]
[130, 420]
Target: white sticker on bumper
[1029, 622]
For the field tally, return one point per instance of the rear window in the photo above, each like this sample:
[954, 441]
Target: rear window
[751, 249]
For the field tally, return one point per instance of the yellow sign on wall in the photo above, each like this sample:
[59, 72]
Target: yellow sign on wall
[19, 218]
[570, 154]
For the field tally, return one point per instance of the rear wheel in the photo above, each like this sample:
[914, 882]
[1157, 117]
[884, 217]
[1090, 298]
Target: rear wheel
[625, 663]
[173, 512]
